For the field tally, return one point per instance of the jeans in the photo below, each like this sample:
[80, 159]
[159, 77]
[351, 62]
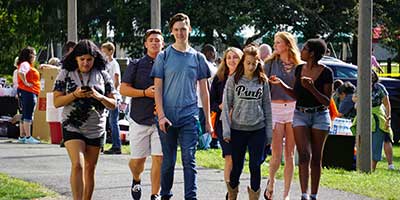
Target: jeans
[113, 121]
[255, 142]
[28, 102]
[187, 136]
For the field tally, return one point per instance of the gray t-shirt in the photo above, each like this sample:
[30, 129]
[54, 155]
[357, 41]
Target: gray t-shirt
[86, 116]
[275, 67]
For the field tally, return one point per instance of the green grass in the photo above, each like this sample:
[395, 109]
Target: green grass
[380, 184]
[12, 188]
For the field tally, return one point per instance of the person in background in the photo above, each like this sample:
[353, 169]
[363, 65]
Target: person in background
[144, 138]
[15, 86]
[176, 71]
[375, 64]
[246, 120]
[336, 84]
[346, 106]
[113, 69]
[311, 121]
[53, 63]
[282, 64]
[210, 53]
[85, 90]
[68, 47]
[28, 91]
[265, 51]
[382, 133]
[228, 65]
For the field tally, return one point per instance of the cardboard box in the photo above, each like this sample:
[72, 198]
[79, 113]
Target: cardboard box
[48, 77]
[41, 128]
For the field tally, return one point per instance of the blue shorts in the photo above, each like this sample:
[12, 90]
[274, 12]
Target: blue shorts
[378, 138]
[319, 120]
[28, 102]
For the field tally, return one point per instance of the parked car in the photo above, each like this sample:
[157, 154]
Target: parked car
[348, 72]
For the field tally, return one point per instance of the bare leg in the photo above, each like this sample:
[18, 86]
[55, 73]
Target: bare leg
[275, 162]
[21, 129]
[228, 167]
[289, 159]
[155, 174]
[388, 148]
[373, 165]
[75, 149]
[91, 157]
[302, 136]
[137, 167]
[318, 138]
[27, 128]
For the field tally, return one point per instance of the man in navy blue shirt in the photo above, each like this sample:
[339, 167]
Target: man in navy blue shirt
[143, 133]
[176, 72]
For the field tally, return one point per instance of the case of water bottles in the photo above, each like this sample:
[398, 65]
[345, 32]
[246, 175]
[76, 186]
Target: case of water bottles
[341, 126]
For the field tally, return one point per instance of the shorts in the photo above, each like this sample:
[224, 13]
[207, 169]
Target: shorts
[378, 138]
[144, 140]
[97, 142]
[28, 102]
[282, 112]
[319, 120]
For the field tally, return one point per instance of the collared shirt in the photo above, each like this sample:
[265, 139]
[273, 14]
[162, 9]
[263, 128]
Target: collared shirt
[138, 75]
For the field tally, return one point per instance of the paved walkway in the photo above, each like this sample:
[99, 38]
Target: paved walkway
[50, 166]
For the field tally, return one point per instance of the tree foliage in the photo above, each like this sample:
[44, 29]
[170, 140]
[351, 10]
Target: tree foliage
[35, 22]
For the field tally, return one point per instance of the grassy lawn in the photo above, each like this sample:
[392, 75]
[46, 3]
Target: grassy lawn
[380, 184]
[12, 188]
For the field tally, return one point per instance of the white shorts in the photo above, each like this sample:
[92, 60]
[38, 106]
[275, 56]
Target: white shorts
[144, 140]
[282, 113]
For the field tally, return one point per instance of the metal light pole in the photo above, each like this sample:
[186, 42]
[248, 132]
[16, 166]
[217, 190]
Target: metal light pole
[72, 21]
[364, 155]
[156, 14]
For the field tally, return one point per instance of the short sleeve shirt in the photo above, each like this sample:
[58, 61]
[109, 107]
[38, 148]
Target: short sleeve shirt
[180, 72]
[304, 97]
[86, 116]
[275, 67]
[137, 74]
[378, 93]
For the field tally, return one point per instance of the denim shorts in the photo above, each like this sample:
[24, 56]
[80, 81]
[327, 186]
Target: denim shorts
[28, 102]
[319, 120]
[378, 138]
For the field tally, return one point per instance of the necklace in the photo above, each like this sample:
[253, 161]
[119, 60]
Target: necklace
[287, 67]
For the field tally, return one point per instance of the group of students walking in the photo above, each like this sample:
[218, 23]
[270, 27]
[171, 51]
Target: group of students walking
[280, 100]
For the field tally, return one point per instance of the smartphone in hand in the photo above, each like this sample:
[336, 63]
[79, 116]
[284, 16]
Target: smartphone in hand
[86, 88]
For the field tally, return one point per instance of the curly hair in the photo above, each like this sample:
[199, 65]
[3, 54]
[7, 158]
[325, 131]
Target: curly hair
[84, 47]
[26, 55]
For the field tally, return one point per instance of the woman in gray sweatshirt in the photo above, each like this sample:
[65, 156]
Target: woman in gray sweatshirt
[246, 120]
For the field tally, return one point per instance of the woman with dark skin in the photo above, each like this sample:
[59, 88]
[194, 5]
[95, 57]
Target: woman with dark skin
[311, 121]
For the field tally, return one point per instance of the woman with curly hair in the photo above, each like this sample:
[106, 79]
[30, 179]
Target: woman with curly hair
[85, 90]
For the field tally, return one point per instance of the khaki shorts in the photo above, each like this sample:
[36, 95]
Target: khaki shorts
[144, 140]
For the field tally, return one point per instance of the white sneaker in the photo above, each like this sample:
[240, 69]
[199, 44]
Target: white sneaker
[32, 140]
[391, 167]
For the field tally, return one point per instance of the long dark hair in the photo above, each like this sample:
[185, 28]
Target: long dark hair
[259, 72]
[82, 48]
[26, 54]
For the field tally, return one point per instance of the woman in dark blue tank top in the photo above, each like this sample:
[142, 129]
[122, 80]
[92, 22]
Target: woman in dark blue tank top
[311, 121]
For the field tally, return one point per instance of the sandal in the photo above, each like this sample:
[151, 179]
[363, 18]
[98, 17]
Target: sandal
[268, 193]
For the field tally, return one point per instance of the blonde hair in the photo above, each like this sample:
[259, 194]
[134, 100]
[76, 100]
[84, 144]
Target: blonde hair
[223, 70]
[293, 51]
[109, 46]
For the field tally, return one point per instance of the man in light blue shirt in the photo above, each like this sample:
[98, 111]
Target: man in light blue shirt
[176, 72]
